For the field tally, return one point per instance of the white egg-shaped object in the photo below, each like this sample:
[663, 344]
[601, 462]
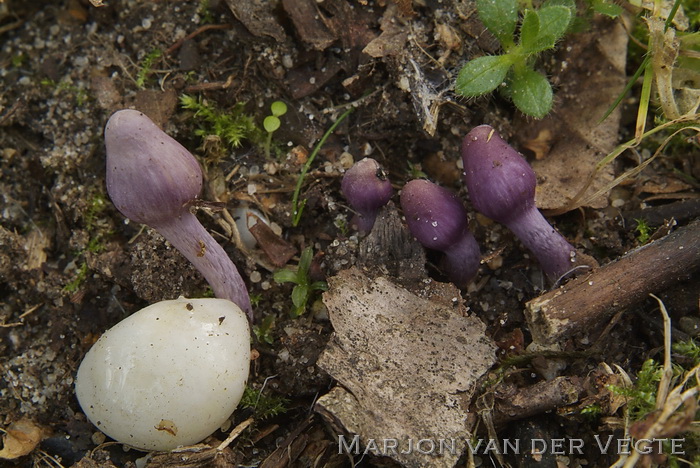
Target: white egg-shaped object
[168, 375]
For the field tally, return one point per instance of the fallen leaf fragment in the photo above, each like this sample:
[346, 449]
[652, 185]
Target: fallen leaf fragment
[20, 439]
[591, 76]
[408, 366]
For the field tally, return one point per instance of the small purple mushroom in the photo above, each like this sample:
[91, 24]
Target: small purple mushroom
[152, 179]
[501, 185]
[437, 218]
[367, 189]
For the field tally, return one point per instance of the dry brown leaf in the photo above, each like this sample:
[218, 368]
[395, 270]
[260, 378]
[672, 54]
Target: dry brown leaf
[258, 18]
[392, 40]
[591, 76]
[20, 439]
[408, 365]
[657, 185]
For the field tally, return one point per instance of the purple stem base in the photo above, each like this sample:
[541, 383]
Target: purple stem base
[188, 236]
[554, 253]
[462, 260]
[364, 223]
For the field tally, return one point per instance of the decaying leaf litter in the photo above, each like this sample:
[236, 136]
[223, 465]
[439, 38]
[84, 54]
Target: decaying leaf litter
[72, 268]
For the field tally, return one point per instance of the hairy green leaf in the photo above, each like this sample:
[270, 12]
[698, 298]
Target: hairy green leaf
[570, 4]
[482, 75]
[606, 8]
[529, 30]
[500, 17]
[531, 93]
[553, 21]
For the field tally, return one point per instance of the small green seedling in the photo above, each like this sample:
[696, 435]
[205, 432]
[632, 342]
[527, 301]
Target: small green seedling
[298, 206]
[513, 71]
[416, 171]
[663, 400]
[272, 123]
[304, 288]
[77, 281]
[263, 332]
[204, 11]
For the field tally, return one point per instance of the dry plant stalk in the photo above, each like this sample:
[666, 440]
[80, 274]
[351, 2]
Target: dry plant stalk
[668, 402]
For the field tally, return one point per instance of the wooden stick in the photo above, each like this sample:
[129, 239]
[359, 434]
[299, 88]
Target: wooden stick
[590, 300]
[519, 403]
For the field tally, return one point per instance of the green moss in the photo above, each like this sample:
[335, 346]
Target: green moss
[643, 231]
[146, 67]
[263, 404]
[231, 127]
[78, 279]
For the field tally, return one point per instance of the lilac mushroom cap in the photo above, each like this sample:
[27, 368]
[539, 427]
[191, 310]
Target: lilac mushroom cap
[501, 185]
[367, 189]
[150, 176]
[437, 218]
[152, 179]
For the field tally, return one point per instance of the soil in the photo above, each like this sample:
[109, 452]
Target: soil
[71, 266]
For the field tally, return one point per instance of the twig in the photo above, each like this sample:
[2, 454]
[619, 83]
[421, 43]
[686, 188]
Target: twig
[665, 381]
[235, 433]
[590, 300]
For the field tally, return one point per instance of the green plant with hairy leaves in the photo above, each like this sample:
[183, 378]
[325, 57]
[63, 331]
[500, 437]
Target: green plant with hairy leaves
[513, 71]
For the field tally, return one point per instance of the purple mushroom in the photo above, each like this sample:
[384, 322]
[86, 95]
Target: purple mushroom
[367, 189]
[501, 185]
[152, 179]
[437, 218]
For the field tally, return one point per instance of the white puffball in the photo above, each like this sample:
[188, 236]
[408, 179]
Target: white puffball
[168, 375]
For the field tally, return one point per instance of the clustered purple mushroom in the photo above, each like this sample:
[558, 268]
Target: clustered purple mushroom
[501, 185]
[437, 218]
[367, 189]
[153, 180]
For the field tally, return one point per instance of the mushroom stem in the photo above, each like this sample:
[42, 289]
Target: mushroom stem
[364, 222]
[461, 261]
[188, 236]
[554, 253]
[437, 218]
[501, 185]
[367, 189]
[152, 179]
